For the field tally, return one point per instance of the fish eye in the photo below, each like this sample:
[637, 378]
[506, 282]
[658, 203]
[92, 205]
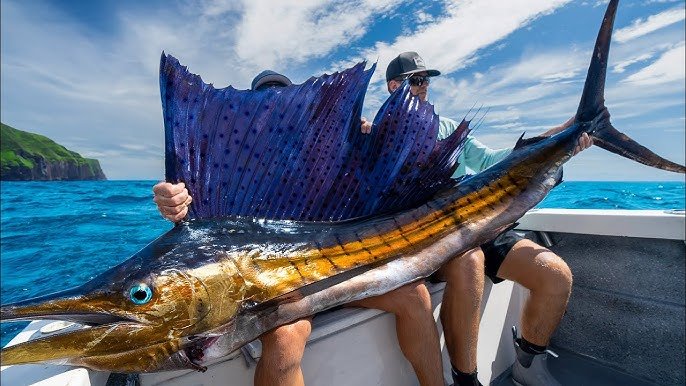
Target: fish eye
[140, 293]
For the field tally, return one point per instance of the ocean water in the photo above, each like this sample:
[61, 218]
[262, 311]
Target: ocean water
[55, 235]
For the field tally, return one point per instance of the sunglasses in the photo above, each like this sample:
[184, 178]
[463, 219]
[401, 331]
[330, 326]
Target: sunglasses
[270, 85]
[417, 80]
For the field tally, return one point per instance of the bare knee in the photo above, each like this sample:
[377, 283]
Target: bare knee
[286, 344]
[411, 300]
[556, 278]
[465, 282]
[416, 296]
[465, 270]
[288, 334]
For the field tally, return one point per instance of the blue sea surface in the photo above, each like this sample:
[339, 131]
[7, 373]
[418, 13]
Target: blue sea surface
[56, 235]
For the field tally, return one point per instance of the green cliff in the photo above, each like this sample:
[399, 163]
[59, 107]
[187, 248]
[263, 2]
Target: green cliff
[27, 157]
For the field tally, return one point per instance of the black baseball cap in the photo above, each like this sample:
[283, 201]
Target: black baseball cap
[407, 63]
[269, 76]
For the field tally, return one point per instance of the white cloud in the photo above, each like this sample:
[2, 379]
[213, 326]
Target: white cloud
[621, 66]
[81, 90]
[662, 1]
[453, 42]
[543, 89]
[653, 23]
[59, 81]
[213, 8]
[423, 17]
[545, 67]
[595, 4]
[133, 146]
[535, 80]
[668, 68]
[270, 33]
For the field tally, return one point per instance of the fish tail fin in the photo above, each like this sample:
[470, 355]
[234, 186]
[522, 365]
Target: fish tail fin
[593, 97]
[611, 139]
[592, 104]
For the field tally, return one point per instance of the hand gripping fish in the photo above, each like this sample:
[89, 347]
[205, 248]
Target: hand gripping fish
[296, 212]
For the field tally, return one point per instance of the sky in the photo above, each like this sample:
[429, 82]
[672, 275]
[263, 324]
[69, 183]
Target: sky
[85, 73]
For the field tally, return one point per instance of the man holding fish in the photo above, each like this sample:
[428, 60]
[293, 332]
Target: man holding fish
[284, 346]
[508, 256]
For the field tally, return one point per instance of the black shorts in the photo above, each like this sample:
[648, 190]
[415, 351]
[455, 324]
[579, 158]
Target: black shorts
[495, 252]
[494, 255]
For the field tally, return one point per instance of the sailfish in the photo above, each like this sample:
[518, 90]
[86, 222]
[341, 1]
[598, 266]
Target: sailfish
[295, 212]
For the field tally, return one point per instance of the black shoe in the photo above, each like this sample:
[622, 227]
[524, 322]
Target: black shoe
[531, 369]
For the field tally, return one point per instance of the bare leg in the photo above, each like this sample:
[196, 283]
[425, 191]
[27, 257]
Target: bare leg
[549, 281]
[282, 351]
[464, 276]
[415, 327]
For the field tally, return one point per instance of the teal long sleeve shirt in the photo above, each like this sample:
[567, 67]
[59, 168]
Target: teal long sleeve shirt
[476, 156]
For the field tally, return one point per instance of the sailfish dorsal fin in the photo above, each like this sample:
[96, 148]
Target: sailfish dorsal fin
[297, 152]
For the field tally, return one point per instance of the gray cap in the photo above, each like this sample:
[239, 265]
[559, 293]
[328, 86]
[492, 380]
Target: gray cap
[269, 76]
[407, 63]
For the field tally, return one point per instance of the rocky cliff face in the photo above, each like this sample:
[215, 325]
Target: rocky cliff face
[45, 170]
[26, 156]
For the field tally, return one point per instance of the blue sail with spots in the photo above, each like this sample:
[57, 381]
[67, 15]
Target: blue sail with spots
[297, 152]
